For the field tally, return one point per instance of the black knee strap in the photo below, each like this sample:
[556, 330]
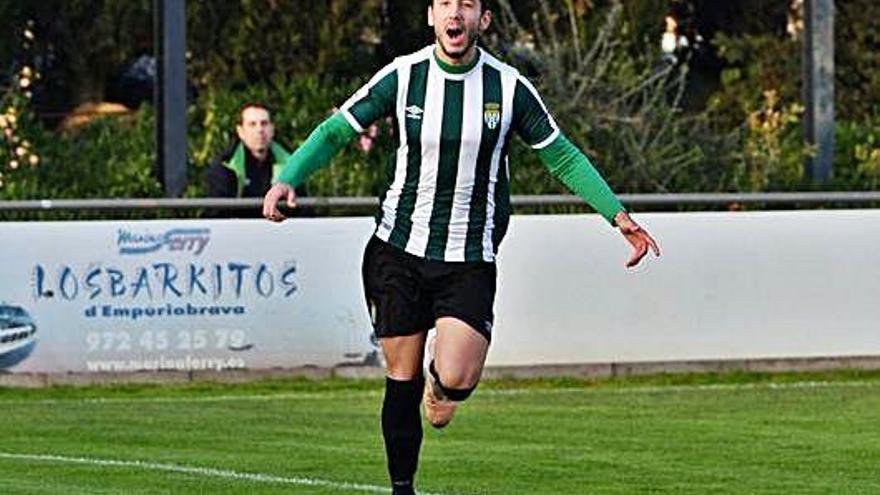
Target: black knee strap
[454, 394]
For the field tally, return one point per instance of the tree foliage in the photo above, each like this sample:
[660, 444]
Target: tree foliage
[615, 98]
[596, 63]
[245, 42]
[857, 60]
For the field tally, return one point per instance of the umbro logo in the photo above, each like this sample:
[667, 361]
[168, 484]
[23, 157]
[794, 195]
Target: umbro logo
[414, 112]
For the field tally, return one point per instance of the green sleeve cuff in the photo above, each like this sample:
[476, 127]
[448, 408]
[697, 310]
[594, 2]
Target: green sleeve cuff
[571, 167]
[322, 145]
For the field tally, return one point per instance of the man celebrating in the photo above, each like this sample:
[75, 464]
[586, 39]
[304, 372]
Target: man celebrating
[430, 263]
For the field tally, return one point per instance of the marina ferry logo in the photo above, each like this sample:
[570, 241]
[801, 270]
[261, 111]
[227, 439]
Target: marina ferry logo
[17, 335]
[187, 240]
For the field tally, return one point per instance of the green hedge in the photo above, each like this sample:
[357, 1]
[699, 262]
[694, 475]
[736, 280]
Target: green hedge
[114, 156]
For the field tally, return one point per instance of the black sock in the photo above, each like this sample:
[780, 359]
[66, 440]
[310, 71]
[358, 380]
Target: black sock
[402, 430]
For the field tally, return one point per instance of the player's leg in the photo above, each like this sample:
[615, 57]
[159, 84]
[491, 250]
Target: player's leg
[403, 355]
[400, 321]
[401, 421]
[459, 353]
[463, 307]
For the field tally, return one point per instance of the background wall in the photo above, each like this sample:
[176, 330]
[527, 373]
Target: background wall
[728, 286]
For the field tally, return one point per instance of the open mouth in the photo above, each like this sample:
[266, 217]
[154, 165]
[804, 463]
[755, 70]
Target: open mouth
[455, 34]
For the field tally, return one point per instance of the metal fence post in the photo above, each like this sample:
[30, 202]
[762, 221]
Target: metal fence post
[819, 86]
[170, 94]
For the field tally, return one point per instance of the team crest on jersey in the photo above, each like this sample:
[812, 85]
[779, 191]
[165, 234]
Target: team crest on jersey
[492, 115]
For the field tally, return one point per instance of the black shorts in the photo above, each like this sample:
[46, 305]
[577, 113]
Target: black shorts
[406, 294]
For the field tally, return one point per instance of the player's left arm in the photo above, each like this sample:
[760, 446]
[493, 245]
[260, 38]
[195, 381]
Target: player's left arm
[572, 167]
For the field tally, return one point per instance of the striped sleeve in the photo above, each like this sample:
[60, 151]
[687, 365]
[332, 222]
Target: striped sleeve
[373, 101]
[531, 120]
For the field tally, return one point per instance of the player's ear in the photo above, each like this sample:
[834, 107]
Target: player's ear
[485, 20]
[240, 131]
[430, 16]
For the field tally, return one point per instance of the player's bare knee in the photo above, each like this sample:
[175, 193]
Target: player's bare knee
[457, 385]
[459, 380]
[402, 369]
[402, 373]
[459, 394]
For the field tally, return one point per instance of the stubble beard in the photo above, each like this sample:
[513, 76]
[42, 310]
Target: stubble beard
[472, 41]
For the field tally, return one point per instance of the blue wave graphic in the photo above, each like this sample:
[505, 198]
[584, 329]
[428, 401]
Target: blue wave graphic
[155, 245]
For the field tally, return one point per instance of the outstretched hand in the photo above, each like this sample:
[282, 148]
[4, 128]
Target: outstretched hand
[638, 237]
[270, 202]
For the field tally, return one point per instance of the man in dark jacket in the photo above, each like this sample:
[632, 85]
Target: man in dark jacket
[250, 165]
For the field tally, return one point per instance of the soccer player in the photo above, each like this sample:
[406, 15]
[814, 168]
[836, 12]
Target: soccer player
[430, 263]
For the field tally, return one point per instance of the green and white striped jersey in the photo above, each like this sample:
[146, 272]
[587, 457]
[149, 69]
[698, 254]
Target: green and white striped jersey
[448, 194]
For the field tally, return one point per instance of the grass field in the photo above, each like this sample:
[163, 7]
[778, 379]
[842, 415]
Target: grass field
[697, 434]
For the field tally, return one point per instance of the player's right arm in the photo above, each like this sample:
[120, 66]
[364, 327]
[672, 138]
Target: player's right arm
[373, 101]
[321, 146]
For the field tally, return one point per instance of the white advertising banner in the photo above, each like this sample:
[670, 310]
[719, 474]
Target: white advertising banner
[191, 295]
[188, 295]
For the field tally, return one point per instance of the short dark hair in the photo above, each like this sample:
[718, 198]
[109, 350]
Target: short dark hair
[252, 104]
[484, 5]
